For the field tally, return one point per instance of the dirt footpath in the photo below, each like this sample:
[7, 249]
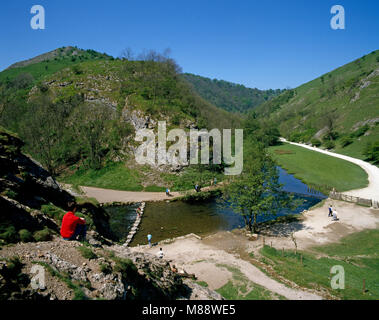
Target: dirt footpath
[207, 257]
[109, 195]
[205, 261]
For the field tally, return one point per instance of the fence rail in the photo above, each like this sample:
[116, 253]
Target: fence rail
[348, 198]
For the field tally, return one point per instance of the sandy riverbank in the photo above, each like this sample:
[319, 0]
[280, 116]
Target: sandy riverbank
[204, 257]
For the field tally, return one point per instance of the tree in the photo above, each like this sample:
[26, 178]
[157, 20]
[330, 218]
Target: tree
[256, 191]
[43, 130]
[93, 128]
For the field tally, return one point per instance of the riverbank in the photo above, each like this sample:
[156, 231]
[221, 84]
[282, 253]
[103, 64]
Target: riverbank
[369, 191]
[319, 170]
[222, 258]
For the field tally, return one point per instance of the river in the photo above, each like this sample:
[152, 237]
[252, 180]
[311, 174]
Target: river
[172, 219]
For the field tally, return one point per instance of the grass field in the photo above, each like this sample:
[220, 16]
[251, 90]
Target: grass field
[357, 254]
[113, 176]
[318, 169]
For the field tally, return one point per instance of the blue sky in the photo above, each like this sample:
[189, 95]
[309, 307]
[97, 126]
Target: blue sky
[263, 44]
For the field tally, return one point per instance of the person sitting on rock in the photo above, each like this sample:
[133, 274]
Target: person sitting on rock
[160, 254]
[73, 226]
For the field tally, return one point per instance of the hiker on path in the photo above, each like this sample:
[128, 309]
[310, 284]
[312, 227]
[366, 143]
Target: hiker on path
[215, 181]
[73, 226]
[149, 236]
[167, 192]
[330, 211]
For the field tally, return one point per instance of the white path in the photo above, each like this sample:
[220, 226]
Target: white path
[372, 190]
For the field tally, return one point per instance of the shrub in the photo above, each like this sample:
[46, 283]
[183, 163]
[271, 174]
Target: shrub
[8, 234]
[345, 141]
[371, 151]
[105, 268]
[77, 70]
[329, 144]
[124, 266]
[43, 235]
[53, 212]
[11, 194]
[25, 235]
[361, 131]
[87, 253]
[315, 142]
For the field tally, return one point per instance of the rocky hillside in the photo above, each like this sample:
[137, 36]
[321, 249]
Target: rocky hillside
[32, 205]
[78, 110]
[339, 110]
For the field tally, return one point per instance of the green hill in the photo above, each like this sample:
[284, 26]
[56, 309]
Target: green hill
[77, 110]
[340, 109]
[229, 96]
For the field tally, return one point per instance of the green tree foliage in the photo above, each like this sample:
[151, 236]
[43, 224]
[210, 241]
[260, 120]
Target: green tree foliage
[229, 96]
[315, 142]
[256, 191]
[263, 131]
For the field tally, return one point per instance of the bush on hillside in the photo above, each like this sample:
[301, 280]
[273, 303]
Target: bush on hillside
[315, 142]
[329, 144]
[43, 235]
[361, 131]
[8, 234]
[345, 141]
[371, 151]
[25, 235]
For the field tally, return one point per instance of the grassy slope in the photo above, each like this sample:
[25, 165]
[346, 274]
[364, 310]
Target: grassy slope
[305, 112]
[114, 176]
[315, 168]
[359, 262]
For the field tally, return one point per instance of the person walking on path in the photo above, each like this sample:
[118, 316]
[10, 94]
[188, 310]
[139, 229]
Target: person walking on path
[73, 226]
[149, 236]
[330, 211]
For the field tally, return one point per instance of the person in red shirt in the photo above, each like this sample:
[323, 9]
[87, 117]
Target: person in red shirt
[73, 226]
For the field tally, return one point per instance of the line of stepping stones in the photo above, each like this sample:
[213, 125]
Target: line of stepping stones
[134, 228]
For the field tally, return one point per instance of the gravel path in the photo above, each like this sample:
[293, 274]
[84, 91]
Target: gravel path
[206, 261]
[370, 192]
[109, 195]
